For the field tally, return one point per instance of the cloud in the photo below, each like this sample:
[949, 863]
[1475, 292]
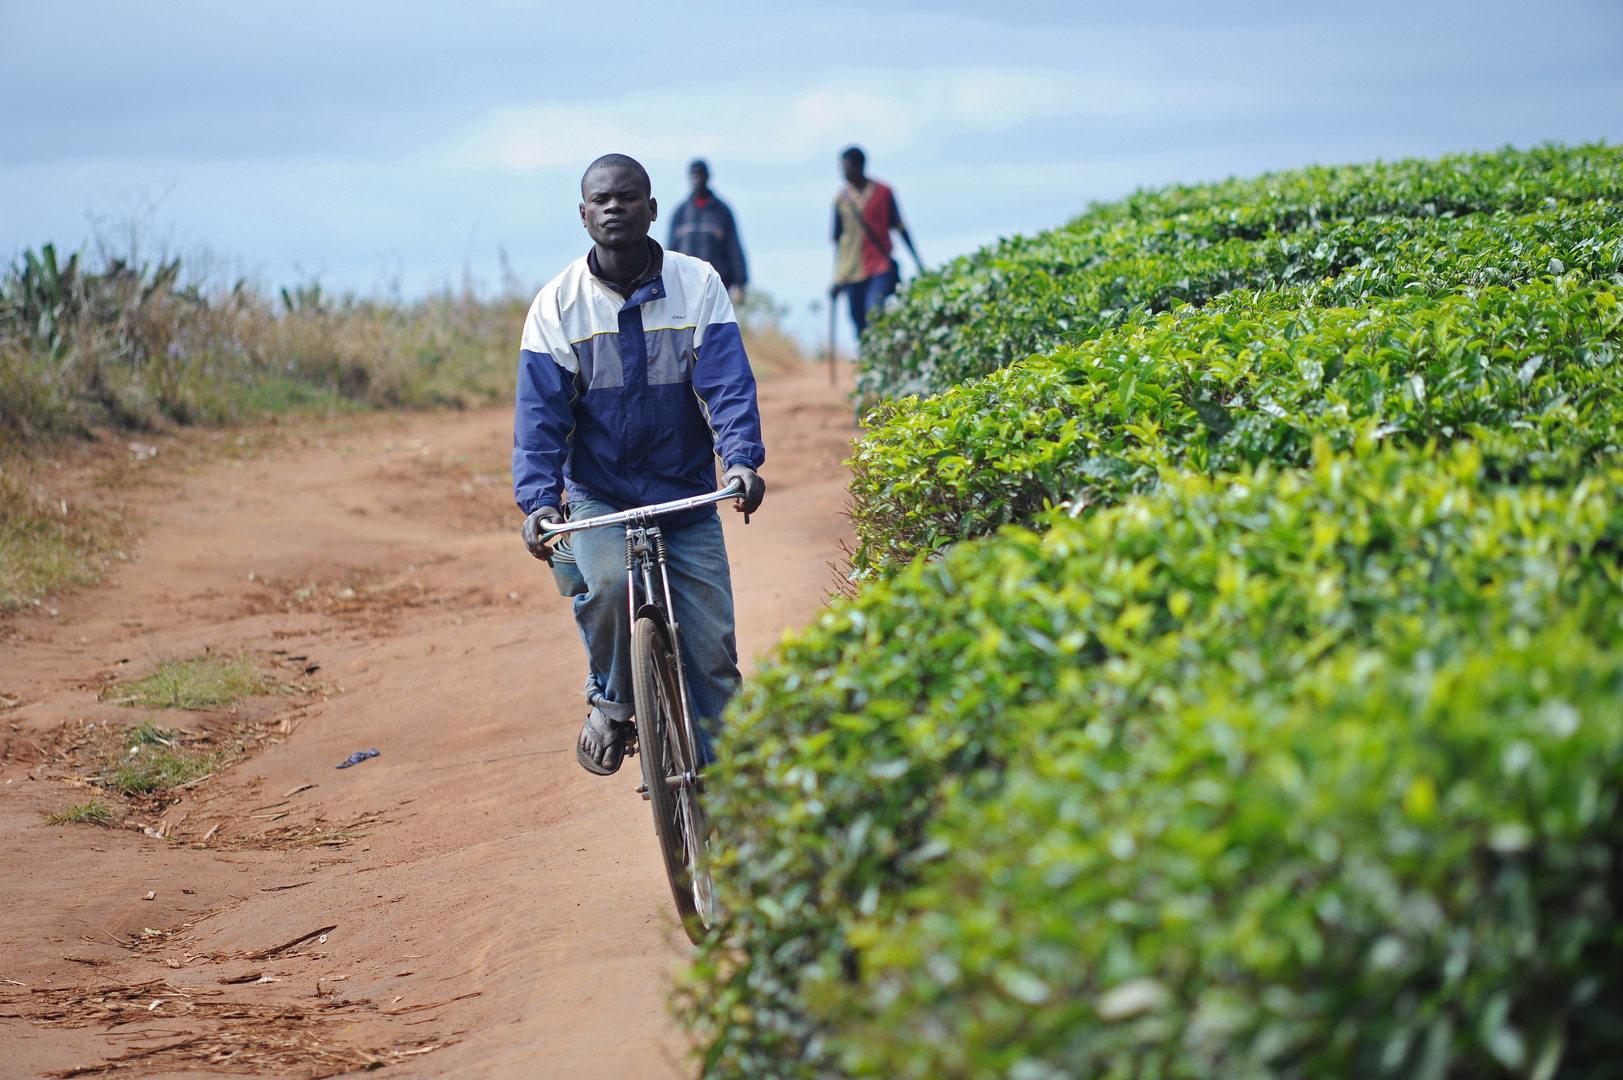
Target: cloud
[767, 124]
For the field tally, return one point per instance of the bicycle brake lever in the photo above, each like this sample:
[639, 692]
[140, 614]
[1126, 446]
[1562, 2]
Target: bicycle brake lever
[738, 486]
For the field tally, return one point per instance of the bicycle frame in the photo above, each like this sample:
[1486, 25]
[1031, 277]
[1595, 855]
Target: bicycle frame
[645, 551]
[646, 555]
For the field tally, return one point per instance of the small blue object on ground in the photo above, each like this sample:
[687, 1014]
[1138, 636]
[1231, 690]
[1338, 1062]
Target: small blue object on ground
[356, 758]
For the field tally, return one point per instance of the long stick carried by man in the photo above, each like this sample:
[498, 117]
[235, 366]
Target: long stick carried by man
[832, 293]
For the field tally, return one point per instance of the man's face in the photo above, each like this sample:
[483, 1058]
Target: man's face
[851, 169]
[616, 208]
[699, 177]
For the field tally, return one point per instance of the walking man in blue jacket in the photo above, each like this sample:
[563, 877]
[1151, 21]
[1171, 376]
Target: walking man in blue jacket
[703, 227]
[632, 381]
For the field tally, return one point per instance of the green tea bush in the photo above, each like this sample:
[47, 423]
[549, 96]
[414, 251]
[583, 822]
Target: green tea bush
[1291, 772]
[1292, 745]
[1395, 869]
[1531, 374]
[1435, 225]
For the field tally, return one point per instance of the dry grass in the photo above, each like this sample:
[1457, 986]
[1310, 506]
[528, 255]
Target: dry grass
[315, 834]
[44, 545]
[771, 351]
[142, 770]
[225, 1036]
[146, 763]
[135, 353]
[130, 349]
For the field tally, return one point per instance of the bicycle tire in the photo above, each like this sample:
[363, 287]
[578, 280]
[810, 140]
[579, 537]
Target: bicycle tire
[664, 751]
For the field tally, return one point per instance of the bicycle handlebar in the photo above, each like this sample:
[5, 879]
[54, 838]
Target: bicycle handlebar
[622, 517]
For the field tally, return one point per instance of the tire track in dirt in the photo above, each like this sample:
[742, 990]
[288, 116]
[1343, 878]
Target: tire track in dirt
[492, 903]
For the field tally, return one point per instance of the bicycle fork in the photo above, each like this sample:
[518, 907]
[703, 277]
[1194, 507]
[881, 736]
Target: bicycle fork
[645, 548]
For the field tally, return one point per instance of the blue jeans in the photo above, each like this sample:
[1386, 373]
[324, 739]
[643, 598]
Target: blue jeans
[702, 592]
[867, 296]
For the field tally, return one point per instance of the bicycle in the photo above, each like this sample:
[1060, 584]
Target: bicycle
[666, 739]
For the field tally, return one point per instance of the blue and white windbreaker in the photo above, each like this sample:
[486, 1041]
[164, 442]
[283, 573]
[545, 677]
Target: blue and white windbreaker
[630, 401]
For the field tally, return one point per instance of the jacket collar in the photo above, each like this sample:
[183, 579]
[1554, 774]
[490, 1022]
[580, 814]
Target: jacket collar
[649, 284]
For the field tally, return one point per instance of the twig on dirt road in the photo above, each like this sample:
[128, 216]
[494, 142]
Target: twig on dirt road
[429, 1005]
[266, 954]
[127, 1057]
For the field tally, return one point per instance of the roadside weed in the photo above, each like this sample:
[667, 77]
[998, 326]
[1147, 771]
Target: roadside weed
[151, 759]
[195, 682]
[90, 812]
[41, 546]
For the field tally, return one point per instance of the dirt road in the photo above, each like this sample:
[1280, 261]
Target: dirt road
[495, 911]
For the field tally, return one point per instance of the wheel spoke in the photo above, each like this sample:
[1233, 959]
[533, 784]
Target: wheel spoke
[668, 755]
[691, 815]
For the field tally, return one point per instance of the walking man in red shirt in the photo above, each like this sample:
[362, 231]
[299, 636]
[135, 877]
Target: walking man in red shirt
[865, 212]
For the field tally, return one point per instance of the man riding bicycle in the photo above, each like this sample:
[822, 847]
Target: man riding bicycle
[632, 380]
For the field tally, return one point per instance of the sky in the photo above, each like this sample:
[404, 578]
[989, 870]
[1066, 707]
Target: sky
[396, 149]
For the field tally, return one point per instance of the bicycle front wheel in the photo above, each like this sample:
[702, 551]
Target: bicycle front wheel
[670, 773]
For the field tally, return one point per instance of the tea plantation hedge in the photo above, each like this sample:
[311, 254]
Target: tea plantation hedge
[1296, 775]
[1277, 731]
[1177, 336]
[1376, 229]
[1532, 373]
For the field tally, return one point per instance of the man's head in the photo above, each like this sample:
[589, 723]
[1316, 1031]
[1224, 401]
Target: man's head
[699, 175]
[617, 202]
[852, 163]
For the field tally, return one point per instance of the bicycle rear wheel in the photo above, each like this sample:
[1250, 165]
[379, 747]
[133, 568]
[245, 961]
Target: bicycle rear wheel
[670, 772]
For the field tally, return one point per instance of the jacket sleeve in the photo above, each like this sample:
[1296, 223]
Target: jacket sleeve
[544, 408]
[735, 252]
[724, 382]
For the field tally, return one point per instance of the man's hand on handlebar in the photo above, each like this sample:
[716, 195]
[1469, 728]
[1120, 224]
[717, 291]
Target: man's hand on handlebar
[532, 527]
[754, 488]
